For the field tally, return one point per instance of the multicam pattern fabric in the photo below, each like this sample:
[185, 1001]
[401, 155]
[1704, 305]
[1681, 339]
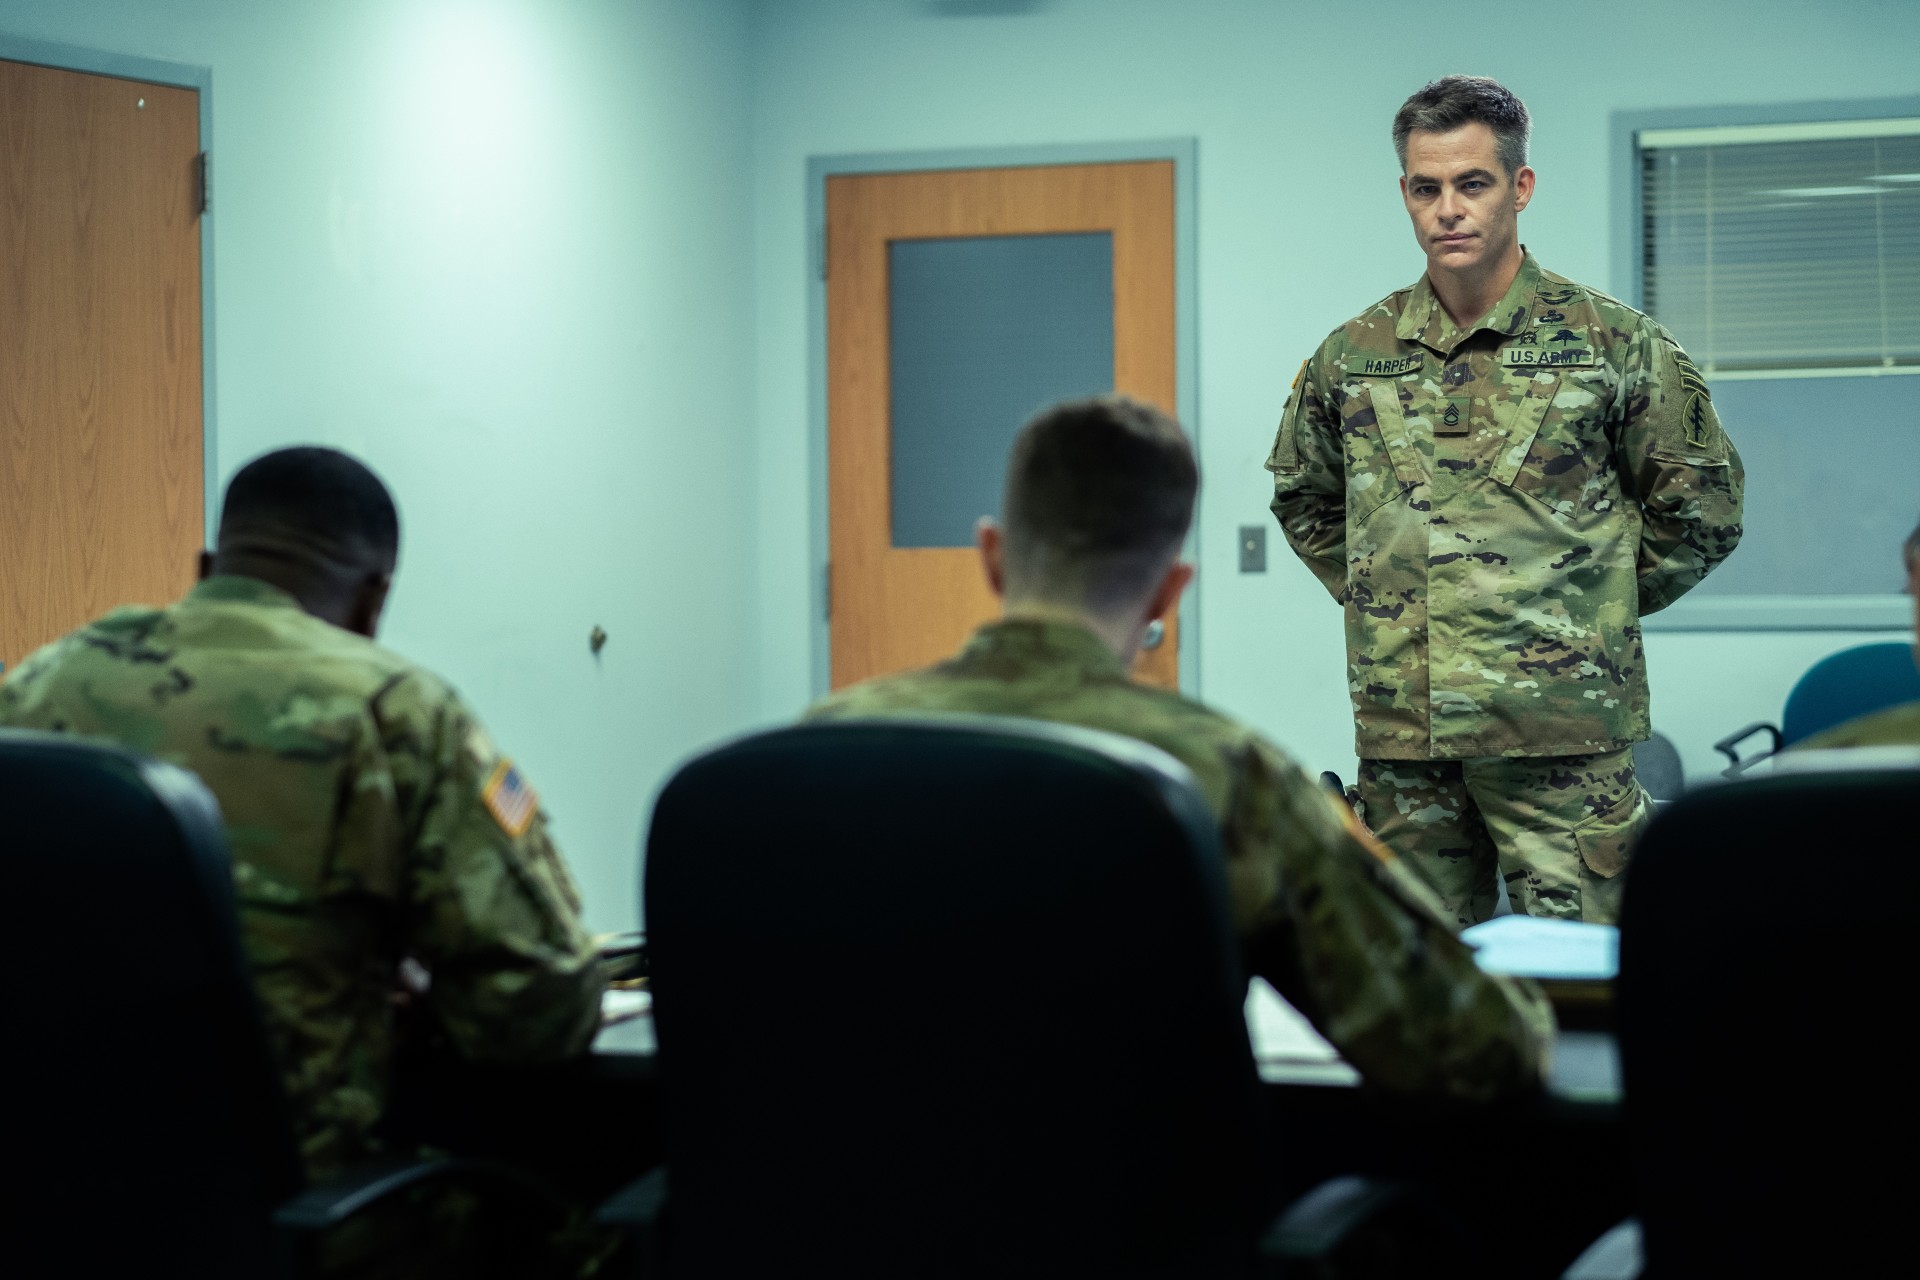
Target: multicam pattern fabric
[1339, 925]
[1894, 727]
[352, 787]
[1497, 508]
[1557, 829]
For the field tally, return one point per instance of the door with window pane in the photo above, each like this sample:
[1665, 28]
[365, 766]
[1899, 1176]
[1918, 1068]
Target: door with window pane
[958, 303]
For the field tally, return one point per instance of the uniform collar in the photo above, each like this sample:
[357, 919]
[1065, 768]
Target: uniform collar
[1425, 321]
[1052, 642]
[228, 588]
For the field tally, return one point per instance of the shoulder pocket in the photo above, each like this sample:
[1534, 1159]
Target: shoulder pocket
[1285, 457]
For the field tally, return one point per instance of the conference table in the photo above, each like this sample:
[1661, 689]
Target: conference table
[1545, 1175]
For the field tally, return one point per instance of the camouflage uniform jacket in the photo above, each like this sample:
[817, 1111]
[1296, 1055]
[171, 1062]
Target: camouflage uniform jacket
[1497, 508]
[1345, 931]
[370, 818]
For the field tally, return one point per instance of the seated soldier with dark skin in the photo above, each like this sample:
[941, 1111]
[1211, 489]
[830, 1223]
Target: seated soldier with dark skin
[1895, 726]
[1099, 495]
[371, 818]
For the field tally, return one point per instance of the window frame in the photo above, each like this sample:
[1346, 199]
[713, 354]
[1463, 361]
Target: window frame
[1892, 612]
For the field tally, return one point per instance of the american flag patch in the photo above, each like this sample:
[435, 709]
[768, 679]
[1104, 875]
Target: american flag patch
[509, 799]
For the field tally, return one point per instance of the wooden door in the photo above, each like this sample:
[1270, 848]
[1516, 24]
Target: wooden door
[895, 607]
[101, 477]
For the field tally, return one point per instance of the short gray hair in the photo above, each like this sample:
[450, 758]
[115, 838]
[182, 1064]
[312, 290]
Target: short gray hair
[1447, 103]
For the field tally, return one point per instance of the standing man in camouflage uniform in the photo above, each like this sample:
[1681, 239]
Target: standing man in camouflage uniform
[1099, 494]
[371, 818]
[1498, 473]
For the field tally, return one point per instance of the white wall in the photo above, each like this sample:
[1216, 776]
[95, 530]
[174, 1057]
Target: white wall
[1299, 227]
[497, 248]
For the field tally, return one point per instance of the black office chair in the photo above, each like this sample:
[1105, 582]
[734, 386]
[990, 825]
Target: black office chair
[1656, 762]
[146, 1131]
[1765, 954]
[951, 997]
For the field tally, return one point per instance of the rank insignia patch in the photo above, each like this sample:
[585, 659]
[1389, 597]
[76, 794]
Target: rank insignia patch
[509, 799]
[1457, 418]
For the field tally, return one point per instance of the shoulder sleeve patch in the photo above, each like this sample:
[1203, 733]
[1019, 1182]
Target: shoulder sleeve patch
[509, 799]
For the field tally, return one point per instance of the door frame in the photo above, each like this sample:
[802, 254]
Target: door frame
[1182, 152]
[177, 75]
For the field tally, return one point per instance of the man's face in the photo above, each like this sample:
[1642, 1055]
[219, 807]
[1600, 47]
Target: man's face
[1464, 206]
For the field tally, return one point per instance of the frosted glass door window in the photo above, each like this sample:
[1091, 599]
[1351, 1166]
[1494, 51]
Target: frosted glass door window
[983, 331]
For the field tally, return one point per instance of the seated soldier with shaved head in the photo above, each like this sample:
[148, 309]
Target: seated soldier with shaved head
[1099, 494]
[371, 818]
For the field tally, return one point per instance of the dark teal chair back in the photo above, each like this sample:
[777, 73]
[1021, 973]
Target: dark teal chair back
[1853, 682]
[145, 1132]
[954, 997]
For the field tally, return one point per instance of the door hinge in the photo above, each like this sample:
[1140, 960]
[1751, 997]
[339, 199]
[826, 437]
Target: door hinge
[821, 249]
[826, 591]
[203, 182]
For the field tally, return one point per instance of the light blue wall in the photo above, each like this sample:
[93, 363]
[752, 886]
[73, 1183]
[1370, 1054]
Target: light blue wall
[545, 265]
[498, 248]
[1299, 227]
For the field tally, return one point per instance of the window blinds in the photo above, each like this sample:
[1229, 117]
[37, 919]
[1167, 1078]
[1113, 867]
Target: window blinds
[1785, 246]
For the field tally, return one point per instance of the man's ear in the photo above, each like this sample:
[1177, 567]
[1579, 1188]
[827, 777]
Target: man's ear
[206, 565]
[369, 600]
[1166, 596]
[991, 539]
[1522, 188]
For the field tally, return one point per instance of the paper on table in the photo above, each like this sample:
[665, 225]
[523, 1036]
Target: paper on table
[618, 1006]
[1566, 950]
[1280, 1031]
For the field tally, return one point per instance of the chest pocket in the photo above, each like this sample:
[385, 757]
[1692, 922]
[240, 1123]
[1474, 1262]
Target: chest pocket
[1559, 450]
[1382, 459]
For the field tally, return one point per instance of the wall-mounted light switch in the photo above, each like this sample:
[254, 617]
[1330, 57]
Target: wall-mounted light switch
[1253, 548]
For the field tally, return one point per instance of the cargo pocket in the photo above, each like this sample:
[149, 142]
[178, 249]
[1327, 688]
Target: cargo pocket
[1605, 842]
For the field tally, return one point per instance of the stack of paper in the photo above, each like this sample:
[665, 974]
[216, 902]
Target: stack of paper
[1551, 950]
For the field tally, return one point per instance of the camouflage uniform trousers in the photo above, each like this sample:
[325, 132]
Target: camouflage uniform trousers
[1558, 829]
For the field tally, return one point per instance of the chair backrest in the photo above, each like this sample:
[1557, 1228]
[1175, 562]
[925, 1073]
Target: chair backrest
[1852, 682]
[1765, 949]
[144, 1120]
[948, 997]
